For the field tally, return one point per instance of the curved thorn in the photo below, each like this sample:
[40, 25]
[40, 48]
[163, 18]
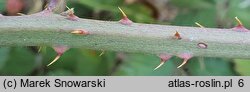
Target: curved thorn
[123, 13]
[21, 14]
[57, 57]
[183, 63]
[80, 31]
[103, 51]
[67, 7]
[238, 21]
[46, 6]
[70, 10]
[39, 49]
[76, 32]
[162, 63]
[198, 24]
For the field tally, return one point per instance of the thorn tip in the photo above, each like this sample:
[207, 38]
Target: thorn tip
[183, 63]
[164, 58]
[239, 27]
[70, 14]
[60, 49]
[39, 49]
[162, 63]
[56, 58]
[103, 51]
[123, 13]
[238, 21]
[198, 24]
[185, 57]
[125, 20]
[67, 7]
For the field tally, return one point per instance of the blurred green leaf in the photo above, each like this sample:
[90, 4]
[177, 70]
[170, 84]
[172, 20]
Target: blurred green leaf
[4, 55]
[242, 66]
[20, 62]
[81, 10]
[206, 17]
[142, 65]
[239, 8]
[91, 63]
[67, 61]
[192, 4]
[136, 12]
[2, 5]
[60, 72]
[102, 4]
[212, 67]
[80, 62]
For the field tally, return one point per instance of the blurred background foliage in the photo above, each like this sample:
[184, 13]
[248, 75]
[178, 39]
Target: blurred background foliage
[81, 61]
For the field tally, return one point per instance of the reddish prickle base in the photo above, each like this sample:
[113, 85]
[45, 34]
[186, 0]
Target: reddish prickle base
[125, 21]
[84, 32]
[73, 17]
[185, 55]
[165, 57]
[240, 28]
[60, 49]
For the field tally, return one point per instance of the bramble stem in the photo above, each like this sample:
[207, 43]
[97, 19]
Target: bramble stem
[33, 30]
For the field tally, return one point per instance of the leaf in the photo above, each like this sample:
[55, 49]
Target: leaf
[4, 55]
[192, 4]
[212, 67]
[60, 72]
[91, 64]
[205, 17]
[239, 8]
[80, 62]
[102, 4]
[66, 61]
[2, 5]
[20, 62]
[136, 12]
[242, 66]
[142, 65]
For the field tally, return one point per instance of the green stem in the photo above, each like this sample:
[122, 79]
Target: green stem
[33, 30]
